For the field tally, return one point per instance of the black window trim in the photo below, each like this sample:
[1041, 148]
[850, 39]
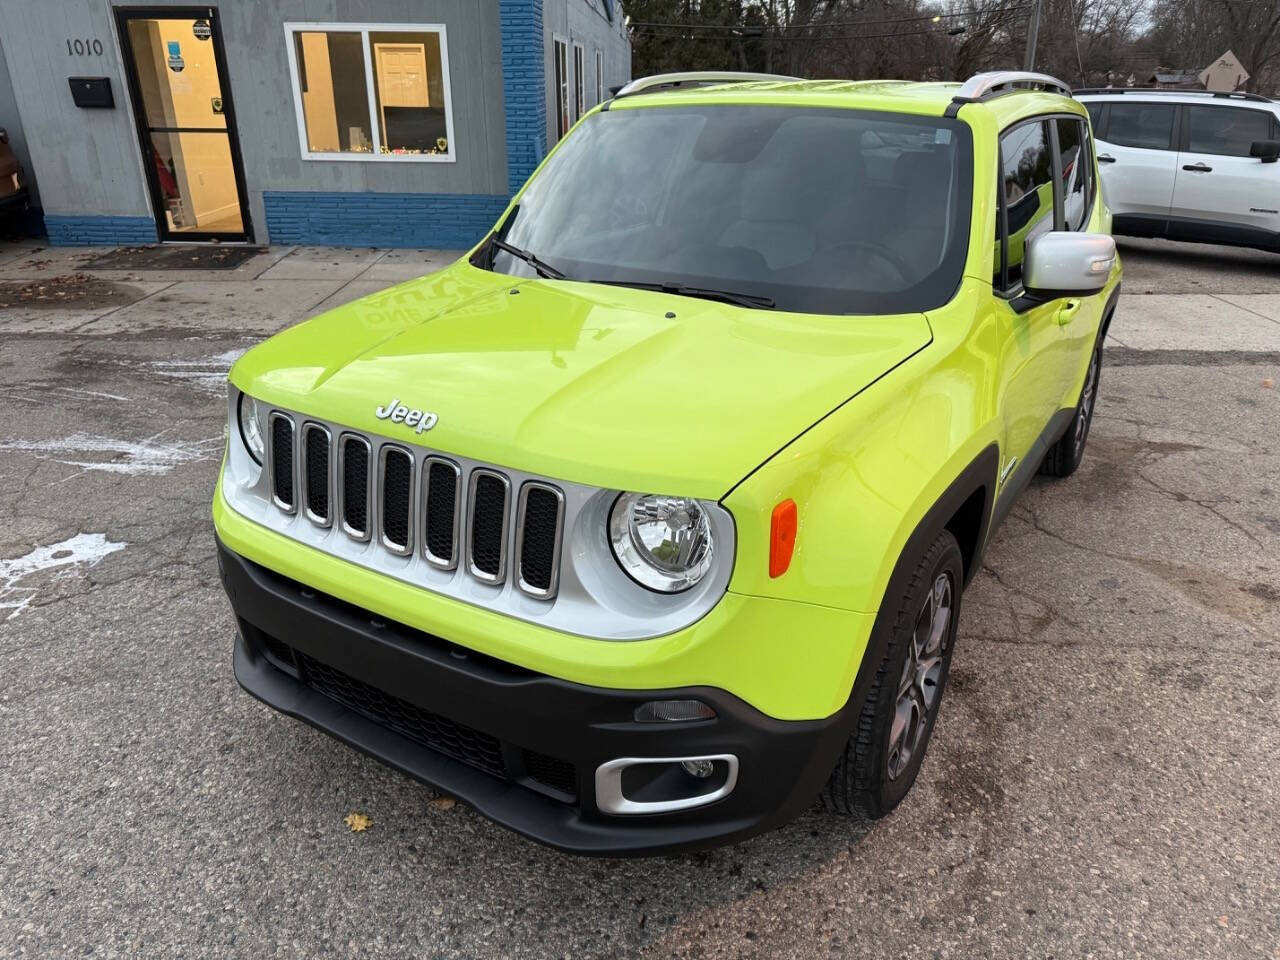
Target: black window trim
[1102, 129]
[1086, 140]
[1005, 292]
[1184, 130]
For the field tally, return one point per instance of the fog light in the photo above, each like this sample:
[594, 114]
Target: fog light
[698, 768]
[673, 711]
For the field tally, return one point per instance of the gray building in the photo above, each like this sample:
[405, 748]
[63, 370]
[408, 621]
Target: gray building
[349, 122]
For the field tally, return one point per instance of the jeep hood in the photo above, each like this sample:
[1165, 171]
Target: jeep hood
[603, 385]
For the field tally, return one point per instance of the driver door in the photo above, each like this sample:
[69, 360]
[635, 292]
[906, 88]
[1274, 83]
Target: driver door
[1031, 376]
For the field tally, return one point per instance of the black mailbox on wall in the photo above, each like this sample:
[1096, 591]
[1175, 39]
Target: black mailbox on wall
[91, 91]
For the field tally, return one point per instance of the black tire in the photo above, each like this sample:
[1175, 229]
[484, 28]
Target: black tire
[867, 782]
[1065, 456]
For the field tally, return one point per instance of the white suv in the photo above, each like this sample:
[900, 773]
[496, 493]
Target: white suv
[1189, 164]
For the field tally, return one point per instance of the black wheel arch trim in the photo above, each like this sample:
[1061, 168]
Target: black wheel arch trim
[980, 474]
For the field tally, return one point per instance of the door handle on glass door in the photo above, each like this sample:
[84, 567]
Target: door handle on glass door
[1197, 167]
[1067, 312]
[1106, 158]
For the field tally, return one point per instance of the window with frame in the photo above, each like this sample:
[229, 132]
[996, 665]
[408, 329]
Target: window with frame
[562, 87]
[599, 77]
[1148, 126]
[1094, 108]
[377, 92]
[1026, 197]
[1075, 158]
[1226, 131]
[579, 81]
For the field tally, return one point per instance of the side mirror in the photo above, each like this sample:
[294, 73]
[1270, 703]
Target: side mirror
[1066, 264]
[1267, 150]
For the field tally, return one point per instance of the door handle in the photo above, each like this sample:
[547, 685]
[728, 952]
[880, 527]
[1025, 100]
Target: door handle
[1197, 167]
[1106, 158]
[1067, 311]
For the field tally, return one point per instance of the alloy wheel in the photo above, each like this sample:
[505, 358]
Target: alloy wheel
[919, 685]
[1085, 410]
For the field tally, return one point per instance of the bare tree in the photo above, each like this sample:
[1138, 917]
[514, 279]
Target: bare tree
[1194, 32]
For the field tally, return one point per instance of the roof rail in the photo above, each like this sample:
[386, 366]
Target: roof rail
[694, 78]
[1170, 91]
[987, 86]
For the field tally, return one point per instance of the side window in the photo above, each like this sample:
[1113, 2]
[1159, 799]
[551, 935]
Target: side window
[1074, 163]
[1145, 125]
[1226, 131]
[1026, 185]
[1095, 113]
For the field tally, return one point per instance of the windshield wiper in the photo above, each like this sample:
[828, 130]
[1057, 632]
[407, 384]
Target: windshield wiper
[702, 293]
[542, 268]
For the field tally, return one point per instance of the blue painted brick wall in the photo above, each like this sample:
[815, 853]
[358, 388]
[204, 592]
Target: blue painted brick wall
[74, 231]
[442, 220]
[524, 87]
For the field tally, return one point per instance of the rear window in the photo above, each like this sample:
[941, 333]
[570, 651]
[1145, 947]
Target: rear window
[1144, 125]
[1226, 131]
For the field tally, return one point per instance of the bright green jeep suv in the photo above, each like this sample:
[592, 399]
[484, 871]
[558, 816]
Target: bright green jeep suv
[647, 523]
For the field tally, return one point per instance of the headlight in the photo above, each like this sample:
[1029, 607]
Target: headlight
[252, 431]
[663, 543]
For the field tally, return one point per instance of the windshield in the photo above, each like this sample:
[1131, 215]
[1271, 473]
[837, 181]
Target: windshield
[808, 210]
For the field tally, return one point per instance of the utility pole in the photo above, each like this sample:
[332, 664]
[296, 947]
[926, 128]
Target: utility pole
[1033, 28]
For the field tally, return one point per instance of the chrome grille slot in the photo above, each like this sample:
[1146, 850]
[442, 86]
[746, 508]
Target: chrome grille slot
[539, 524]
[441, 511]
[489, 499]
[395, 500]
[316, 453]
[451, 518]
[281, 459]
[353, 485]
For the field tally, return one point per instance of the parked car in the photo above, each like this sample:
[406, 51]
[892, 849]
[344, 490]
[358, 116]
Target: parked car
[648, 521]
[1189, 165]
[13, 188]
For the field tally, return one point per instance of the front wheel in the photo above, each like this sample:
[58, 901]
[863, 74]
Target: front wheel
[883, 755]
[1064, 456]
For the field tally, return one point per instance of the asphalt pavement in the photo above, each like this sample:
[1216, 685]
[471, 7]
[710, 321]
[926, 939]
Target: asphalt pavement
[1104, 781]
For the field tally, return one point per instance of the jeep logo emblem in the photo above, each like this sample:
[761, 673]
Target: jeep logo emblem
[397, 412]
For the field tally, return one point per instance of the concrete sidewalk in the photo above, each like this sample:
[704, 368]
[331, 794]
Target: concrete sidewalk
[268, 292]
[1176, 296]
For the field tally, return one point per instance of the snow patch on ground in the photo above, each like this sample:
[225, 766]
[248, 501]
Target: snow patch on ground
[108, 455]
[82, 550]
[208, 374]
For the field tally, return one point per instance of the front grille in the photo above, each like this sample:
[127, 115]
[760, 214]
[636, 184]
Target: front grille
[316, 465]
[400, 497]
[429, 729]
[488, 524]
[397, 498]
[539, 545]
[355, 486]
[282, 462]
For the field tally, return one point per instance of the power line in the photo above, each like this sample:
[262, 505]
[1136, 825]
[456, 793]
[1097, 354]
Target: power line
[731, 33]
[636, 24]
[819, 38]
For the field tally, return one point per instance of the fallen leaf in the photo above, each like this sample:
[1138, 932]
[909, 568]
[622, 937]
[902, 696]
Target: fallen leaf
[358, 822]
[1269, 383]
[443, 803]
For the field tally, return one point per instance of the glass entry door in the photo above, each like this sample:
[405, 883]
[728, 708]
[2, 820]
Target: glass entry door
[186, 126]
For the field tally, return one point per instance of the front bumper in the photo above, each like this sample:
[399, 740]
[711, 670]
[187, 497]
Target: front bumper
[519, 746]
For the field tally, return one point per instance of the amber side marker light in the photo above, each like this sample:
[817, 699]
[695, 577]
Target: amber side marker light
[782, 538]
